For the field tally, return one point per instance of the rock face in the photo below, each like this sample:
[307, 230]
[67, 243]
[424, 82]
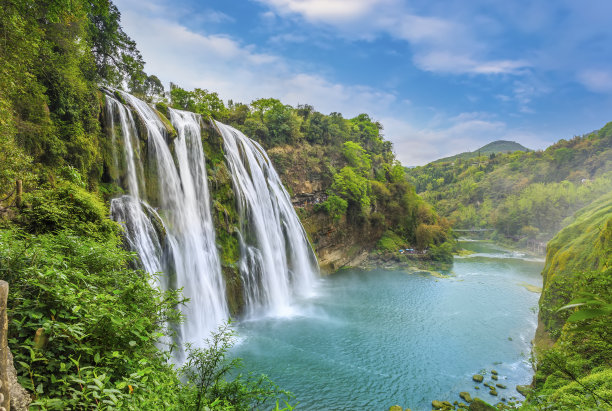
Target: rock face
[20, 399]
[12, 395]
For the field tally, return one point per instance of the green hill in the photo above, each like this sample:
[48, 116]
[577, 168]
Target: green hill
[522, 195]
[495, 147]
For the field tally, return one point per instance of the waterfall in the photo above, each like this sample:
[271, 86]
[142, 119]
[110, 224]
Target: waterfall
[179, 240]
[277, 261]
[166, 213]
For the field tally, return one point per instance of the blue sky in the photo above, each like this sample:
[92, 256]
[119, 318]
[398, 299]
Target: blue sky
[441, 76]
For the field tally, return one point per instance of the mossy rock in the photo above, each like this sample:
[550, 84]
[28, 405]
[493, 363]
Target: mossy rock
[441, 405]
[477, 387]
[171, 132]
[494, 377]
[494, 372]
[523, 389]
[477, 377]
[395, 408]
[465, 396]
[500, 386]
[493, 392]
[480, 405]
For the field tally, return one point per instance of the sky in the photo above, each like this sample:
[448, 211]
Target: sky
[442, 77]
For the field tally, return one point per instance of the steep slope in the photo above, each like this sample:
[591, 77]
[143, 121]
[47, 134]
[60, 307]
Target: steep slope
[575, 373]
[495, 147]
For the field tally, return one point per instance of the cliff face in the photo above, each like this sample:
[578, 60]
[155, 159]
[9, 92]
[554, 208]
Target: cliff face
[307, 172]
[573, 348]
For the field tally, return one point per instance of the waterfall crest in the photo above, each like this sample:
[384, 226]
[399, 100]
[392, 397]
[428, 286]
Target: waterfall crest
[277, 261]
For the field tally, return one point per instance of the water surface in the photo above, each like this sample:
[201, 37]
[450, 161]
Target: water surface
[369, 340]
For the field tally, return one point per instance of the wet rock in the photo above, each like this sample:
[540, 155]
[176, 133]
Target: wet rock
[395, 408]
[437, 404]
[500, 385]
[480, 405]
[466, 396]
[494, 372]
[523, 389]
[494, 377]
[493, 392]
[477, 377]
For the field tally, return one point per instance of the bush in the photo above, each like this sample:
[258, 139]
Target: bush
[67, 206]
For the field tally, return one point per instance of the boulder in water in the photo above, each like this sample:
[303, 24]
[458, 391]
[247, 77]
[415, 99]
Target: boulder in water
[477, 377]
[466, 396]
[480, 405]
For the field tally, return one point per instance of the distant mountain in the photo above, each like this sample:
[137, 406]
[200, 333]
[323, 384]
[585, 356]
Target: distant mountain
[497, 147]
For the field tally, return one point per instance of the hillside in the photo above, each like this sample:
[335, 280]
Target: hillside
[495, 147]
[522, 195]
[576, 372]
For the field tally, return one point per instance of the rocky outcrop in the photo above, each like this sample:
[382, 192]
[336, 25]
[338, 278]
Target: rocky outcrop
[12, 395]
[20, 398]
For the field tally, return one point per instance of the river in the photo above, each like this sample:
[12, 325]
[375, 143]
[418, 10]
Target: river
[369, 340]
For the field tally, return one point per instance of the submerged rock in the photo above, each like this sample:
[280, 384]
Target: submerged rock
[465, 396]
[493, 392]
[477, 377]
[500, 385]
[494, 377]
[494, 372]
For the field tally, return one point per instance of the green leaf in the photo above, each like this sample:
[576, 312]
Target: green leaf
[97, 357]
[586, 314]
[39, 388]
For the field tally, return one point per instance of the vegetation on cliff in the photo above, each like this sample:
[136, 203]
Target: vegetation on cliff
[521, 195]
[576, 372]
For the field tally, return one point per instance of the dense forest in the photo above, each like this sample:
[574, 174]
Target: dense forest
[521, 195]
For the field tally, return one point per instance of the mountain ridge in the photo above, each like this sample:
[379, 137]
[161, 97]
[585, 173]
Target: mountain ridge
[495, 147]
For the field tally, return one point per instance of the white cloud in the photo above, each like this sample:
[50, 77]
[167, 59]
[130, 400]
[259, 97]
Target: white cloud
[325, 10]
[438, 44]
[239, 72]
[599, 81]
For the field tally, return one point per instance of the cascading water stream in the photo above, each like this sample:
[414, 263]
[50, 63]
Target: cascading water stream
[166, 213]
[185, 248]
[276, 258]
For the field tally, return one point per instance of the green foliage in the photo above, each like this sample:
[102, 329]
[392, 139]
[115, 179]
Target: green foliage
[334, 206]
[207, 372]
[354, 188]
[67, 206]
[390, 242]
[356, 156]
[81, 322]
